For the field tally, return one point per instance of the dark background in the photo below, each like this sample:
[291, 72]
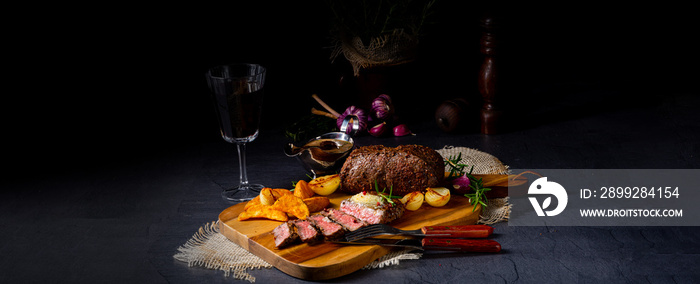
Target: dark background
[119, 83]
[113, 157]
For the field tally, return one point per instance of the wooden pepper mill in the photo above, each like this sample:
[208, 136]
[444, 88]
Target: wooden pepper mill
[457, 115]
[490, 113]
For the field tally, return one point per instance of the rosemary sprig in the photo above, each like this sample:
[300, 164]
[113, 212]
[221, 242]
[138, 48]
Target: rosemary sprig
[479, 195]
[456, 169]
[477, 185]
[389, 198]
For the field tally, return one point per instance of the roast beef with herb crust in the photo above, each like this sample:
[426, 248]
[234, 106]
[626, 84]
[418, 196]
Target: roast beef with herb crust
[404, 169]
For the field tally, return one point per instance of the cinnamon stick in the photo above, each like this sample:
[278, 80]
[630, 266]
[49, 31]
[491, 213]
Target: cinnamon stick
[328, 108]
[323, 113]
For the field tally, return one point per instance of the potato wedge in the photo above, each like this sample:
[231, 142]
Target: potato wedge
[325, 185]
[278, 192]
[269, 196]
[302, 190]
[263, 211]
[266, 196]
[252, 202]
[291, 204]
[317, 203]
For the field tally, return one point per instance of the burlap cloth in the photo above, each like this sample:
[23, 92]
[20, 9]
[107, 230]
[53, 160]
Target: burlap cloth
[209, 249]
[390, 49]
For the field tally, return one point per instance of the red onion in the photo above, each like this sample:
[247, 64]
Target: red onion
[402, 130]
[461, 184]
[378, 129]
[382, 107]
[353, 110]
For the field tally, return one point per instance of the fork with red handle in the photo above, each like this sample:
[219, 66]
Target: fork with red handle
[465, 238]
[463, 231]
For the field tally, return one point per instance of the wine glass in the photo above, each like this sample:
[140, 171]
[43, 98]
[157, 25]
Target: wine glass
[237, 90]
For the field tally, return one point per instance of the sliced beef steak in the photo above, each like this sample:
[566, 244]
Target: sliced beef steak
[380, 213]
[306, 231]
[330, 230]
[349, 222]
[285, 235]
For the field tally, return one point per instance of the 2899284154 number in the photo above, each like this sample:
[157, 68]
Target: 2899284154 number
[639, 192]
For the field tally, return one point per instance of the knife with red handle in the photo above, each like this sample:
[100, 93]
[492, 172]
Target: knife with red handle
[464, 231]
[443, 244]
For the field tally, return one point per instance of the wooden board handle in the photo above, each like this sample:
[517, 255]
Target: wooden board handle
[461, 245]
[466, 231]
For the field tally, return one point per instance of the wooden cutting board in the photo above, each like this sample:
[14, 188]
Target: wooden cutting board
[329, 260]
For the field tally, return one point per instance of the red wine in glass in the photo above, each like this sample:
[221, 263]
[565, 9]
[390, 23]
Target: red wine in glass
[237, 92]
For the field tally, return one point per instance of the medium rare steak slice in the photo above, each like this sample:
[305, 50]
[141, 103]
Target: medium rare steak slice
[330, 230]
[404, 169]
[368, 209]
[349, 222]
[306, 231]
[285, 234]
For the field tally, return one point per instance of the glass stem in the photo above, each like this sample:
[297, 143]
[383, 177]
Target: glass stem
[241, 163]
